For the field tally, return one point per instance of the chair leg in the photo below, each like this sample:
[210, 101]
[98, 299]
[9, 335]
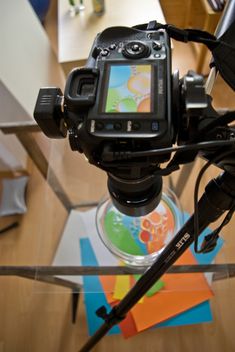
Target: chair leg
[75, 301]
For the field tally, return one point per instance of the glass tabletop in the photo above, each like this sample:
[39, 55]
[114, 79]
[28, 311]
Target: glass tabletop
[79, 243]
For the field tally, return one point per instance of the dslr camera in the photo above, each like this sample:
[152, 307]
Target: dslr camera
[124, 103]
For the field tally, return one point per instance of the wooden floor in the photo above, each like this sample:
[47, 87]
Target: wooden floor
[37, 317]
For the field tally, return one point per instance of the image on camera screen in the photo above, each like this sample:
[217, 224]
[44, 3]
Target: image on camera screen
[128, 89]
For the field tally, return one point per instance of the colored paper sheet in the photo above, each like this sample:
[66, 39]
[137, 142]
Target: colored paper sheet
[198, 314]
[93, 301]
[195, 284]
[201, 258]
[181, 292]
[154, 289]
[127, 326]
[121, 287]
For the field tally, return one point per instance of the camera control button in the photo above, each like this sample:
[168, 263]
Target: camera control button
[112, 46]
[109, 126]
[135, 50]
[155, 126]
[99, 125]
[157, 46]
[135, 126]
[96, 51]
[117, 126]
[104, 52]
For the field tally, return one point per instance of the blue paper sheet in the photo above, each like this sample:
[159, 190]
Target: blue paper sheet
[95, 298]
[196, 315]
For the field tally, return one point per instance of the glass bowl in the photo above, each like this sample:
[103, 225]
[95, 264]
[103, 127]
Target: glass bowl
[137, 241]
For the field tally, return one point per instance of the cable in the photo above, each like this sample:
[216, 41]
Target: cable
[161, 151]
[220, 121]
[196, 189]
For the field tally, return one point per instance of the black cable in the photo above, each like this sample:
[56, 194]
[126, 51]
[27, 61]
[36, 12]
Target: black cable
[220, 121]
[196, 190]
[181, 148]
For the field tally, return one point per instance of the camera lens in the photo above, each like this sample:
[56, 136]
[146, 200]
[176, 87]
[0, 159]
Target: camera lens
[136, 197]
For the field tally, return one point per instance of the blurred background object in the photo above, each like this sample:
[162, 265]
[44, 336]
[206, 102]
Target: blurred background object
[41, 8]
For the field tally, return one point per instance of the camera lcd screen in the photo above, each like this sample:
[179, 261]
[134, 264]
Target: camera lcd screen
[128, 89]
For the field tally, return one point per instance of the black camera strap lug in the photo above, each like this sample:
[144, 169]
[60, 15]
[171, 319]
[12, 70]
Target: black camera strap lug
[74, 140]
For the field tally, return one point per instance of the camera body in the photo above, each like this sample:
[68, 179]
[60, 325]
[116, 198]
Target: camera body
[122, 98]
[124, 109]
[119, 104]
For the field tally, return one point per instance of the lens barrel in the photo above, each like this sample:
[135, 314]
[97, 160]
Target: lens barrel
[136, 197]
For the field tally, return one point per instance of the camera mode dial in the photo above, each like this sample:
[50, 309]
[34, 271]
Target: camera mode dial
[135, 50]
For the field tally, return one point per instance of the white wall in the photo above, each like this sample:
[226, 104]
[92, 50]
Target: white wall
[27, 63]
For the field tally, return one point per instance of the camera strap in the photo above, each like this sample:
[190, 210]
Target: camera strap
[186, 35]
[223, 48]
